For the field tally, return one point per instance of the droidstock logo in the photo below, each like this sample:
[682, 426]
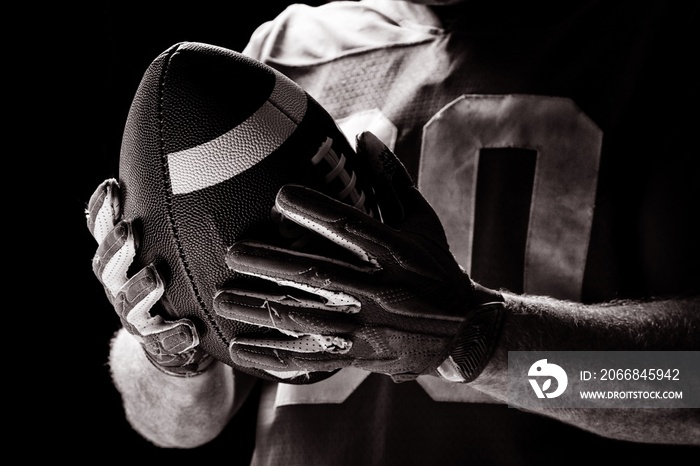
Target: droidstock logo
[542, 369]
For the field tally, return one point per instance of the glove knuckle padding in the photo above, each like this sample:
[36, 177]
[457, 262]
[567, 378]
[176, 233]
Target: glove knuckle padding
[172, 338]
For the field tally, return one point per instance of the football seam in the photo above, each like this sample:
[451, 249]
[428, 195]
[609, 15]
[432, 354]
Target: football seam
[287, 114]
[169, 203]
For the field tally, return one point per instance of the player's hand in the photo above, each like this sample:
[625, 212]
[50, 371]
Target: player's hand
[172, 346]
[393, 300]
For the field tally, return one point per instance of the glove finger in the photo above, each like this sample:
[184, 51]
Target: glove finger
[104, 209]
[370, 240]
[391, 356]
[301, 344]
[275, 360]
[336, 221]
[387, 173]
[402, 206]
[134, 302]
[313, 274]
[381, 247]
[288, 314]
[114, 256]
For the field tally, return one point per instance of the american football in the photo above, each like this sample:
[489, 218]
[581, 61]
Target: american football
[210, 138]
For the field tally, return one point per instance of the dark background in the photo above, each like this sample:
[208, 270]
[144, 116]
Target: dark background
[80, 74]
[73, 71]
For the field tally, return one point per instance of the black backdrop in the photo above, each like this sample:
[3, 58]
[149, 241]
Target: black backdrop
[69, 75]
[88, 63]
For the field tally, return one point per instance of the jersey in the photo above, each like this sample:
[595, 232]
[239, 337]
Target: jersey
[550, 145]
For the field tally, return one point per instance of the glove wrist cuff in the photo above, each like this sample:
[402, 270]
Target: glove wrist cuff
[476, 338]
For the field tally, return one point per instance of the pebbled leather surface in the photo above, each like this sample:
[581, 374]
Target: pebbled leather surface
[189, 96]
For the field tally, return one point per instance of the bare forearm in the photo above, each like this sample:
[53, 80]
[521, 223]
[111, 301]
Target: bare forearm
[537, 323]
[170, 411]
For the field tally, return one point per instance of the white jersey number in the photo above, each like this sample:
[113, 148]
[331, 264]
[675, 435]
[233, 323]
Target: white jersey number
[568, 146]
